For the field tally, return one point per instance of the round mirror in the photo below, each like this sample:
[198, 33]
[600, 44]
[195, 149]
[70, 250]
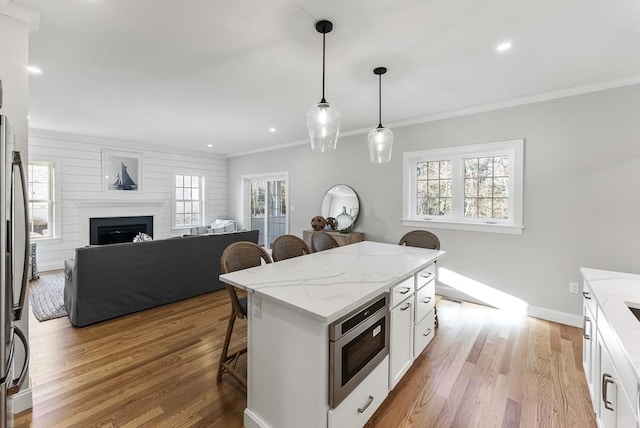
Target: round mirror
[338, 197]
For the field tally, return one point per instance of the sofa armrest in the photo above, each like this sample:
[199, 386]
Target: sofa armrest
[71, 290]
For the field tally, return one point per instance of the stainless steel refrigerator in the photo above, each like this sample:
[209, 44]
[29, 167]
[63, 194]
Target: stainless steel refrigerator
[14, 242]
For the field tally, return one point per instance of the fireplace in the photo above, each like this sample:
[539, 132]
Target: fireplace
[112, 230]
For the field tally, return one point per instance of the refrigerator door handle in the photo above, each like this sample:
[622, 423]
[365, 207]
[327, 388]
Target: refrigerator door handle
[16, 384]
[17, 307]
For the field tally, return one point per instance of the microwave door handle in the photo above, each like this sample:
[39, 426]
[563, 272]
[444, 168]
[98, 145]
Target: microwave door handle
[16, 384]
[17, 306]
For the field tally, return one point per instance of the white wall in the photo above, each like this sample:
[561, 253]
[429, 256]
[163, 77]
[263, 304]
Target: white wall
[581, 192]
[80, 165]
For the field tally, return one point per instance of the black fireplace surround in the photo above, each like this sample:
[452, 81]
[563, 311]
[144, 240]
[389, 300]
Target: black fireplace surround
[113, 230]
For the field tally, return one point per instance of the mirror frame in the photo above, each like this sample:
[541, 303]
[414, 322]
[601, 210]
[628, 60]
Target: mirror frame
[326, 213]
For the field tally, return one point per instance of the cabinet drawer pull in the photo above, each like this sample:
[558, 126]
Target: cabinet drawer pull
[425, 275]
[606, 380]
[586, 295]
[427, 333]
[427, 300]
[369, 401]
[408, 305]
[585, 320]
[406, 290]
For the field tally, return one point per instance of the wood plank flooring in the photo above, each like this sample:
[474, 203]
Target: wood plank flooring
[157, 368]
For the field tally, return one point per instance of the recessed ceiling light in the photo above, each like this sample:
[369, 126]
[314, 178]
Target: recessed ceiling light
[34, 70]
[209, 145]
[503, 47]
[272, 129]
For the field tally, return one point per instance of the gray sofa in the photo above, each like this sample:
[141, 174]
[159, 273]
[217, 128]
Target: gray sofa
[108, 281]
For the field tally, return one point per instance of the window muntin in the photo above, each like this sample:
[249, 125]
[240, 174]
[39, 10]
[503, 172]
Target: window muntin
[189, 197]
[477, 187]
[41, 199]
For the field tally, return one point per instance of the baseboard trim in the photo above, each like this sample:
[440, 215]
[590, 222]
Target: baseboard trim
[533, 311]
[22, 401]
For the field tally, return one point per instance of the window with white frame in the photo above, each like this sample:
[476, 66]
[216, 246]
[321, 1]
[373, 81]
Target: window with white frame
[41, 199]
[188, 200]
[477, 187]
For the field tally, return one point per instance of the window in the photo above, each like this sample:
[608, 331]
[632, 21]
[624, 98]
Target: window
[265, 205]
[41, 199]
[189, 200]
[476, 187]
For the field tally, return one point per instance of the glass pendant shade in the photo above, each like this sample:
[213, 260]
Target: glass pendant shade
[323, 122]
[380, 144]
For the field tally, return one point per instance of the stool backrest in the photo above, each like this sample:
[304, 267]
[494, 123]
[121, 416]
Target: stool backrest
[420, 238]
[287, 247]
[321, 241]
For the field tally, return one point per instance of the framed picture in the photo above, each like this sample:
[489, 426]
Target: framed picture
[121, 172]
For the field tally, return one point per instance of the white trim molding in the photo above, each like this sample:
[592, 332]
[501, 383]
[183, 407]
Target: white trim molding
[23, 13]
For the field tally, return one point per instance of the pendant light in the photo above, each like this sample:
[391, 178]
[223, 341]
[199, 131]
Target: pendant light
[323, 120]
[380, 138]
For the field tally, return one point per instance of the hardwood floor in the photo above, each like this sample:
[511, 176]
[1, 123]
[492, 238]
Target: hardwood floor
[157, 368]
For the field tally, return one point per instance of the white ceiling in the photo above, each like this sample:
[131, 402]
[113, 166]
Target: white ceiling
[188, 73]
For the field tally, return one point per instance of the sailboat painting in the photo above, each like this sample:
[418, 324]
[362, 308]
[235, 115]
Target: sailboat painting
[122, 172]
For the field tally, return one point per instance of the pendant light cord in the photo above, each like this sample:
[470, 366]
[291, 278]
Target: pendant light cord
[380, 101]
[323, 56]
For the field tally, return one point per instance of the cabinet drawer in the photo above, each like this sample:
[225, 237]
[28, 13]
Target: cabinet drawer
[401, 291]
[425, 301]
[358, 407]
[425, 275]
[423, 333]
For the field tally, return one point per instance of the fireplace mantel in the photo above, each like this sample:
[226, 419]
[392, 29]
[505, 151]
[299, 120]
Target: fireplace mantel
[81, 203]
[90, 208]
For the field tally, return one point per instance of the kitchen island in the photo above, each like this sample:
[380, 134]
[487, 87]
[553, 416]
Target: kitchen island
[291, 305]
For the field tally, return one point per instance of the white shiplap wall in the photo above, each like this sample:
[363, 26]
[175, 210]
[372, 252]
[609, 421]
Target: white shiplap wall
[79, 160]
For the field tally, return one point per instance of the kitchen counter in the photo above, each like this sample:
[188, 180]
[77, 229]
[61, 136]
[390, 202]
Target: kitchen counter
[329, 284]
[611, 290]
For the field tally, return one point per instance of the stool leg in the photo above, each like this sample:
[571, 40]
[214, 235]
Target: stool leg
[435, 313]
[225, 347]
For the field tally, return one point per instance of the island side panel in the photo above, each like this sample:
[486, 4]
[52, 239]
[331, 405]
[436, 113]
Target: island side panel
[288, 367]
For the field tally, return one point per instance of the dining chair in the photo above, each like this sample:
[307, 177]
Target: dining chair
[422, 239]
[237, 256]
[287, 247]
[321, 241]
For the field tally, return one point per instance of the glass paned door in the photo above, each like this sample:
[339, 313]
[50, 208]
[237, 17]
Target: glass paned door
[268, 208]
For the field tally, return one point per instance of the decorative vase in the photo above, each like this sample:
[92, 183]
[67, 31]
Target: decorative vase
[344, 222]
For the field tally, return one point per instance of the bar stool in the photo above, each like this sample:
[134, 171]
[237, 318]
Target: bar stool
[287, 247]
[237, 256]
[321, 241]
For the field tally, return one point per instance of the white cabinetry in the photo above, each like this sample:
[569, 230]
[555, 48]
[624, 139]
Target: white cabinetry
[424, 309]
[589, 342]
[401, 340]
[611, 376]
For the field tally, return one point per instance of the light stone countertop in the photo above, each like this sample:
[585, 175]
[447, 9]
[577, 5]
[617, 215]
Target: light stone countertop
[328, 284]
[612, 291]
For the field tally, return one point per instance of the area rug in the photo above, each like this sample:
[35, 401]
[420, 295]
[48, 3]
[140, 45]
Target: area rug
[46, 296]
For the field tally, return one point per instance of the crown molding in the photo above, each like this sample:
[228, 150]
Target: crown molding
[23, 13]
[544, 96]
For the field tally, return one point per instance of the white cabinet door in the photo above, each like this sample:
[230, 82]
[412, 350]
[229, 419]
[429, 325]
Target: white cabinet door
[607, 400]
[401, 341]
[588, 343]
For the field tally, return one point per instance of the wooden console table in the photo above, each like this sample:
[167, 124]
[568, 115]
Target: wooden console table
[342, 238]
